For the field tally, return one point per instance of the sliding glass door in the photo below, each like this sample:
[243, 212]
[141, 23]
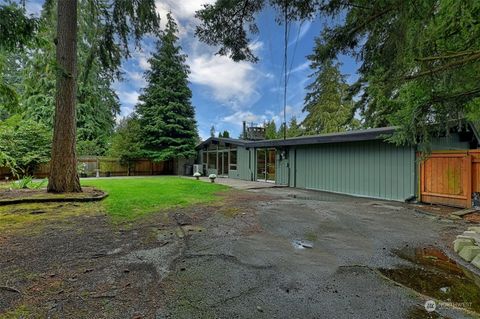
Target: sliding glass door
[266, 165]
[222, 165]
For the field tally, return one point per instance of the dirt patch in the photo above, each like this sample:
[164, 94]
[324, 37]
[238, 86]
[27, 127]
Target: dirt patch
[69, 260]
[473, 217]
[439, 210]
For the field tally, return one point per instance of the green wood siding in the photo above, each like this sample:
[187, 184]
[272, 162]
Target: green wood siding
[243, 164]
[371, 169]
[450, 142]
[282, 168]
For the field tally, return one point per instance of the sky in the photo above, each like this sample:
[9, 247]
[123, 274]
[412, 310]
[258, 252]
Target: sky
[225, 93]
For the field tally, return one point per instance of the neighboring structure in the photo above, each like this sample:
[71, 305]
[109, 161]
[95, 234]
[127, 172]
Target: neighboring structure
[358, 163]
[253, 132]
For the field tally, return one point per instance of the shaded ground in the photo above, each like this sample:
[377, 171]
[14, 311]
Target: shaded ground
[8, 195]
[232, 259]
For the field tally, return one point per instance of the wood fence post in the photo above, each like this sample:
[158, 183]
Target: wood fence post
[422, 178]
[467, 180]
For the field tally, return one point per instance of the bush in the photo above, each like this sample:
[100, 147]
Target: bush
[24, 145]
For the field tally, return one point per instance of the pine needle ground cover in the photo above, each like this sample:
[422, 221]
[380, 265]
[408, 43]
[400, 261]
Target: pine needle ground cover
[130, 198]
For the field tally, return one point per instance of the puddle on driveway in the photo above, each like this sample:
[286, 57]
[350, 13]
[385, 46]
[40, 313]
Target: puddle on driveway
[436, 275]
[302, 244]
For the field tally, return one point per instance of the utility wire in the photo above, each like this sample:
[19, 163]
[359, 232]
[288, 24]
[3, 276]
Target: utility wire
[294, 51]
[285, 74]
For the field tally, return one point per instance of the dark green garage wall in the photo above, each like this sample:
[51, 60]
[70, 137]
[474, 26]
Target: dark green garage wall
[371, 168]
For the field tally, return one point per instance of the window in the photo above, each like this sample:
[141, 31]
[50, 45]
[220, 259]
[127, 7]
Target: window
[233, 159]
[212, 160]
[204, 158]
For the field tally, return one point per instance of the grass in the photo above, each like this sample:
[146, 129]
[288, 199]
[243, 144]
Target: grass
[130, 198]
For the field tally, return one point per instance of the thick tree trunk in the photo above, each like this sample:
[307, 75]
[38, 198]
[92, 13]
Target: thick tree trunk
[63, 166]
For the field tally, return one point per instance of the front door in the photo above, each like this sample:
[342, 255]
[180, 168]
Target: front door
[266, 165]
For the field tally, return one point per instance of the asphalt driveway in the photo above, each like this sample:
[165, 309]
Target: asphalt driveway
[258, 252]
[229, 272]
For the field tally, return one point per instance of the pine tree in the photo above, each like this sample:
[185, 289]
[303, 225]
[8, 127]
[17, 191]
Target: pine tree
[166, 114]
[281, 131]
[212, 131]
[126, 142]
[327, 103]
[294, 129]
[270, 130]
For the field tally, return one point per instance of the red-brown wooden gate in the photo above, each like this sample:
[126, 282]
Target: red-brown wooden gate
[450, 178]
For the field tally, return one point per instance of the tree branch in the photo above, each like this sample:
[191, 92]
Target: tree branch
[448, 56]
[456, 96]
[451, 65]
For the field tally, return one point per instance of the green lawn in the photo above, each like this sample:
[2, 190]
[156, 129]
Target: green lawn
[130, 198]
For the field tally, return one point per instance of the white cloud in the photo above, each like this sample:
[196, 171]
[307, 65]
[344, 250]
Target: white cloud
[33, 8]
[238, 117]
[129, 98]
[232, 83]
[181, 9]
[302, 29]
[136, 78]
[299, 68]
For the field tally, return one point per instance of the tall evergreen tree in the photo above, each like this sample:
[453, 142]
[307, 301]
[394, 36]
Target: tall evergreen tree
[294, 129]
[327, 102]
[270, 130]
[126, 143]
[165, 110]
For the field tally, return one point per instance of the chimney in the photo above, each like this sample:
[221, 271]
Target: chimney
[244, 136]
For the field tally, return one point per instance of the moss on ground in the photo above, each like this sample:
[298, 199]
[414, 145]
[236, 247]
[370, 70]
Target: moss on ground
[33, 217]
[230, 211]
[311, 236]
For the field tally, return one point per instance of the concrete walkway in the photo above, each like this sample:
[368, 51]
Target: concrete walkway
[238, 183]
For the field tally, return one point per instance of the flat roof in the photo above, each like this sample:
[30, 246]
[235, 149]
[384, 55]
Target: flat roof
[349, 136]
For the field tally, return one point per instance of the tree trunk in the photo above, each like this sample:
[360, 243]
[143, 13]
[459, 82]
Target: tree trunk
[63, 166]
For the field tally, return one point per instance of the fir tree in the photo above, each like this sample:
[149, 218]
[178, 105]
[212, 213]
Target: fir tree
[294, 129]
[270, 130]
[327, 102]
[167, 117]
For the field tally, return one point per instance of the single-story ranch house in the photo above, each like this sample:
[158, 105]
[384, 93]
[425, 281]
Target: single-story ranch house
[358, 162]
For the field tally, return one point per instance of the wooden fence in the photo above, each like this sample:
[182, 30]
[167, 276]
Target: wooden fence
[450, 178]
[107, 167]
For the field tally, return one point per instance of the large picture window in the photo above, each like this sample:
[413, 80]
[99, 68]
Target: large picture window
[233, 159]
[212, 160]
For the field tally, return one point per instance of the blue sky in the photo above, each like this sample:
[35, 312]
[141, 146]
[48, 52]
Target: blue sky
[225, 92]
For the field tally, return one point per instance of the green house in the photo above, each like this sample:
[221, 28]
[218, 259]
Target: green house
[359, 163]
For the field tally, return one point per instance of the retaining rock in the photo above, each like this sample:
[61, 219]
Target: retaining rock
[476, 261]
[459, 243]
[468, 253]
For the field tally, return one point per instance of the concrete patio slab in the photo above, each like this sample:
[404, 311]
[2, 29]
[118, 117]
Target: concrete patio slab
[238, 183]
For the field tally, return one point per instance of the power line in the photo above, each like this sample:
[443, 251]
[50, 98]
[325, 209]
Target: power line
[295, 50]
[285, 74]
